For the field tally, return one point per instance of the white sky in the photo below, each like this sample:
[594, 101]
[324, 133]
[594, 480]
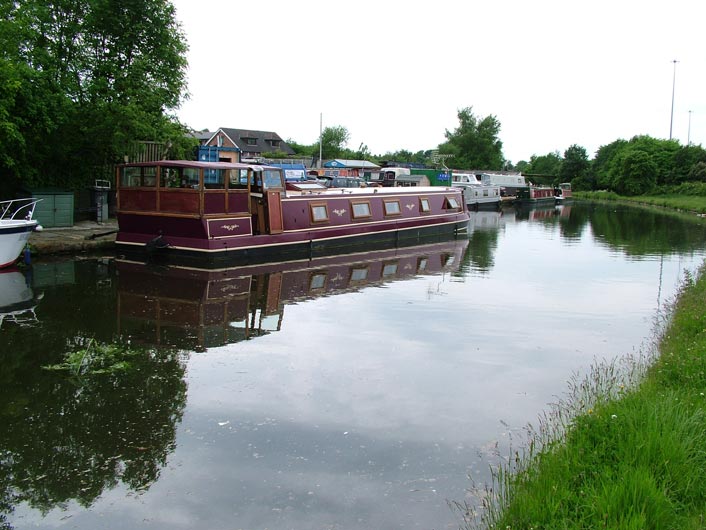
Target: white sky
[395, 73]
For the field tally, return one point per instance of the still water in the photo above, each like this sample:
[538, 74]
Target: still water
[355, 392]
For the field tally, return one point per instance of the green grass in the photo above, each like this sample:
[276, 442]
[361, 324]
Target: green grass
[626, 449]
[672, 199]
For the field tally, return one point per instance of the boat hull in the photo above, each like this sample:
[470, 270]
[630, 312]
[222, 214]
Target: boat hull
[13, 238]
[291, 245]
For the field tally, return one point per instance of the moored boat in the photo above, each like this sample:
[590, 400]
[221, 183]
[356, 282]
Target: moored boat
[16, 224]
[239, 212]
[562, 192]
[535, 195]
[476, 194]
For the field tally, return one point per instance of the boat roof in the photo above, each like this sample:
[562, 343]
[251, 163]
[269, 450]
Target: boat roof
[200, 164]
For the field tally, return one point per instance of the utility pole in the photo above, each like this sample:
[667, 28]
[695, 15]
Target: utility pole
[674, 78]
[321, 135]
[688, 134]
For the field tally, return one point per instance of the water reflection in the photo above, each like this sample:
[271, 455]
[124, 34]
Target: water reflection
[17, 299]
[70, 435]
[196, 309]
[355, 407]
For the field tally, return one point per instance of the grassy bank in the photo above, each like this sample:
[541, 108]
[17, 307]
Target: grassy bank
[626, 449]
[691, 198]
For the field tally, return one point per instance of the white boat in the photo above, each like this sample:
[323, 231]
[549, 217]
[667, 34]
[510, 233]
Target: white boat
[476, 194]
[16, 224]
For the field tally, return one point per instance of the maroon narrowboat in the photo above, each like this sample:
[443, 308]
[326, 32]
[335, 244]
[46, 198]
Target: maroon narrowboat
[240, 212]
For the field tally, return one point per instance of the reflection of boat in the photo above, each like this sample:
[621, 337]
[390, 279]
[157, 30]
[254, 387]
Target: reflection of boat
[476, 194]
[246, 213]
[535, 212]
[16, 224]
[17, 301]
[197, 308]
[484, 221]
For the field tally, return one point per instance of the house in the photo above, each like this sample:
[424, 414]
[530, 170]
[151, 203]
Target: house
[234, 145]
[351, 168]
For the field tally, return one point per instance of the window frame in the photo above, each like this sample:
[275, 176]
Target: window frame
[356, 216]
[451, 203]
[313, 207]
[422, 201]
[385, 203]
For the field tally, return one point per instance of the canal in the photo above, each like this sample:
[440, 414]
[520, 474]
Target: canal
[352, 392]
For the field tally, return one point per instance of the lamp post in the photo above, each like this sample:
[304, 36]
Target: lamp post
[674, 78]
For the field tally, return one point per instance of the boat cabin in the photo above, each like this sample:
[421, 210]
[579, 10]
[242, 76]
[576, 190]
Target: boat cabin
[203, 190]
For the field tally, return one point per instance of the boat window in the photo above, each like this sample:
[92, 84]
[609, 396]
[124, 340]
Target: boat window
[272, 179]
[190, 178]
[214, 179]
[451, 203]
[138, 176]
[424, 205]
[319, 213]
[422, 264]
[237, 178]
[392, 207]
[169, 177]
[360, 209]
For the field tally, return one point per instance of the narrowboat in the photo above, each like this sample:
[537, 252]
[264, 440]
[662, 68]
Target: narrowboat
[237, 212]
[476, 194]
[535, 195]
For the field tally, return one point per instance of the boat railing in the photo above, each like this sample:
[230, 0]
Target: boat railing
[18, 209]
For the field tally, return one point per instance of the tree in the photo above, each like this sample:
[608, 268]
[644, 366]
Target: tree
[333, 141]
[601, 165]
[547, 165]
[686, 159]
[634, 172]
[94, 76]
[575, 163]
[474, 144]
[522, 166]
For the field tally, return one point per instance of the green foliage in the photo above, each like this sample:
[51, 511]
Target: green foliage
[633, 172]
[81, 81]
[303, 150]
[545, 165]
[93, 358]
[522, 166]
[333, 142]
[574, 165]
[474, 143]
[601, 164]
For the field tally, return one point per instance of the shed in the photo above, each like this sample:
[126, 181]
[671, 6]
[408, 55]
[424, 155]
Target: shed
[56, 207]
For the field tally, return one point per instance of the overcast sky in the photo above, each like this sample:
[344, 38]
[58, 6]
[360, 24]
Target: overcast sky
[395, 73]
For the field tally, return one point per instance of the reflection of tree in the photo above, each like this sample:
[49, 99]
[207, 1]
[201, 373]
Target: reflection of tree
[68, 437]
[479, 255]
[644, 231]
